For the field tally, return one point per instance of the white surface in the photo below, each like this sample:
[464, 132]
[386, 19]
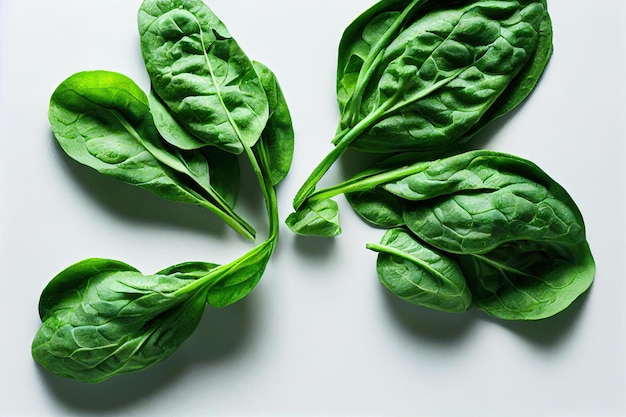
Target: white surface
[319, 336]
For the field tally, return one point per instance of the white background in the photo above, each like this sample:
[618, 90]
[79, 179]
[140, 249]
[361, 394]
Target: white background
[319, 336]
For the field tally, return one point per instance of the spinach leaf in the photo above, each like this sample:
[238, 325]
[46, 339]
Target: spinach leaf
[103, 318]
[520, 235]
[198, 165]
[528, 280]
[201, 74]
[419, 274]
[243, 276]
[378, 207]
[474, 202]
[278, 133]
[317, 218]
[426, 76]
[169, 128]
[102, 120]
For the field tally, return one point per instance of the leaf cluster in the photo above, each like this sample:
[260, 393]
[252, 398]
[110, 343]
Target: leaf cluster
[416, 81]
[209, 107]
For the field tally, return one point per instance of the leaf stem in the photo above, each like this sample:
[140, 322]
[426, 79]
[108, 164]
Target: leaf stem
[342, 144]
[368, 181]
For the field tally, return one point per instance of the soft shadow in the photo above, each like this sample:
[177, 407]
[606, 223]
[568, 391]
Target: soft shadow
[314, 246]
[445, 327]
[222, 334]
[437, 326]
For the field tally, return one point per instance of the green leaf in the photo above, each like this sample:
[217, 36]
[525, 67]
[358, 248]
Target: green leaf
[526, 280]
[317, 218]
[201, 74]
[378, 207]
[224, 172]
[242, 277]
[169, 128]
[278, 135]
[420, 275]
[474, 202]
[442, 69]
[102, 120]
[103, 318]
[425, 76]
[99, 118]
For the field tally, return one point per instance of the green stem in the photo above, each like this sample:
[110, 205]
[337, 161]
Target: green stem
[368, 182]
[374, 57]
[271, 202]
[218, 206]
[316, 175]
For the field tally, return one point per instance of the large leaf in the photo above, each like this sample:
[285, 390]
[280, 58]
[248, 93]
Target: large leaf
[102, 119]
[102, 318]
[526, 280]
[429, 70]
[201, 74]
[473, 202]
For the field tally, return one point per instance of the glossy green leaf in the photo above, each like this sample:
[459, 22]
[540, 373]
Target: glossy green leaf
[317, 218]
[98, 118]
[201, 74]
[378, 207]
[112, 320]
[102, 120]
[420, 275]
[169, 128]
[473, 202]
[527, 280]
[278, 134]
[440, 71]
[425, 76]
[242, 278]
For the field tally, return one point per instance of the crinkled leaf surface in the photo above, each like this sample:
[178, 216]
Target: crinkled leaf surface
[437, 67]
[419, 274]
[527, 280]
[103, 318]
[201, 74]
[473, 202]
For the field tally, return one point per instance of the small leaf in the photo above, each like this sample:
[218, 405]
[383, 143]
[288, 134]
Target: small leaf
[316, 218]
[377, 207]
[420, 275]
[278, 135]
[242, 278]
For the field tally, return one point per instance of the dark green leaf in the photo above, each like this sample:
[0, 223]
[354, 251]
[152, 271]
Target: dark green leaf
[377, 207]
[441, 68]
[473, 202]
[102, 318]
[278, 135]
[526, 280]
[201, 74]
[420, 275]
